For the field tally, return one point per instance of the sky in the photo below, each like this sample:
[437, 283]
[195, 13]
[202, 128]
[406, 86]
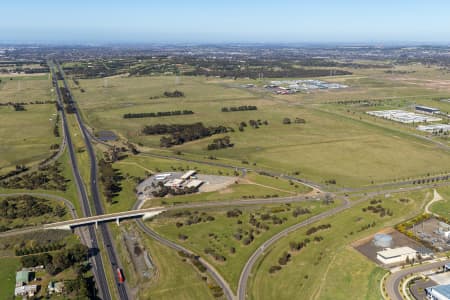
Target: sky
[200, 21]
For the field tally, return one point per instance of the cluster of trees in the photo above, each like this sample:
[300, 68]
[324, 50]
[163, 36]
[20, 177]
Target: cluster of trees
[57, 262]
[297, 120]
[174, 94]
[39, 249]
[300, 211]
[194, 260]
[26, 206]
[234, 213]
[158, 114]
[19, 107]
[110, 179]
[67, 99]
[378, 209]
[48, 177]
[315, 229]
[195, 219]
[367, 226]
[297, 246]
[220, 143]
[239, 108]
[181, 133]
[161, 191]
[215, 255]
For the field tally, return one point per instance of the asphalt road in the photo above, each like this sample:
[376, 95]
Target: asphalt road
[98, 207]
[211, 270]
[393, 281]
[97, 261]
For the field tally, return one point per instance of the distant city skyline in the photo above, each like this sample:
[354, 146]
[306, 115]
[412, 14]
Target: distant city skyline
[200, 21]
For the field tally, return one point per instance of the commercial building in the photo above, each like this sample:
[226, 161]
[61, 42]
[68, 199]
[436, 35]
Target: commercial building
[396, 255]
[438, 292]
[195, 183]
[188, 174]
[174, 183]
[427, 109]
[435, 128]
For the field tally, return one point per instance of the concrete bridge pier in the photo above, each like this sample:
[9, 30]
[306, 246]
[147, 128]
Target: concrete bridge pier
[118, 221]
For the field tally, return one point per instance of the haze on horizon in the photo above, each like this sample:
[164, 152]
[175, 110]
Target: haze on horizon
[194, 21]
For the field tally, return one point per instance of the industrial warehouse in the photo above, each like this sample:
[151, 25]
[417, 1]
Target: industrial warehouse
[403, 116]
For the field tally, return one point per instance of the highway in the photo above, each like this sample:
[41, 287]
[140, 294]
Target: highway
[393, 280]
[97, 261]
[98, 207]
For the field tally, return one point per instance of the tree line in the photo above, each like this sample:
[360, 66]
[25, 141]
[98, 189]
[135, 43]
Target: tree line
[239, 108]
[181, 133]
[158, 114]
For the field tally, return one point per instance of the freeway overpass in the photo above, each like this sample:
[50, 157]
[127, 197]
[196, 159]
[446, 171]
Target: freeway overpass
[117, 217]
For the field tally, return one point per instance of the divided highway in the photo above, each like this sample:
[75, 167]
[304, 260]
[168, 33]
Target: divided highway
[99, 272]
[98, 207]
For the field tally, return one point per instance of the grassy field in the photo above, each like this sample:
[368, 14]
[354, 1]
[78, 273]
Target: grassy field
[25, 88]
[175, 279]
[70, 194]
[9, 266]
[331, 145]
[135, 168]
[26, 136]
[321, 270]
[219, 233]
[442, 207]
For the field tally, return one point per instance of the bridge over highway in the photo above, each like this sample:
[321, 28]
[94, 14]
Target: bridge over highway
[117, 217]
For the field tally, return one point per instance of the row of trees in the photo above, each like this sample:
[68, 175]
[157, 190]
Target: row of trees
[174, 94]
[239, 108]
[110, 179]
[158, 114]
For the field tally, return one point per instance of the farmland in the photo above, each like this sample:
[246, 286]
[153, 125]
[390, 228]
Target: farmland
[331, 145]
[32, 138]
